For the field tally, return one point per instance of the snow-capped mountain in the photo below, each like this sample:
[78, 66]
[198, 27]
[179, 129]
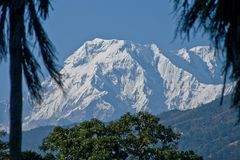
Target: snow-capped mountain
[106, 78]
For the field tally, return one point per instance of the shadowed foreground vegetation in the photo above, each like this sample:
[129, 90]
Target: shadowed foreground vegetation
[139, 136]
[210, 130]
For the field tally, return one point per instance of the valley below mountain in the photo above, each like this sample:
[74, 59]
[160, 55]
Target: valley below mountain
[211, 131]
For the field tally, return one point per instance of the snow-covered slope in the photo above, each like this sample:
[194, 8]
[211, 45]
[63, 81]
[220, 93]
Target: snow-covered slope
[106, 78]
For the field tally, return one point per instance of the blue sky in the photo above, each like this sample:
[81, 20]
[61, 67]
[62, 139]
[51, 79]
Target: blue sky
[73, 22]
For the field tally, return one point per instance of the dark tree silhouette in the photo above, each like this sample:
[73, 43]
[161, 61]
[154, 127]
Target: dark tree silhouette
[17, 14]
[3, 146]
[31, 155]
[220, 19]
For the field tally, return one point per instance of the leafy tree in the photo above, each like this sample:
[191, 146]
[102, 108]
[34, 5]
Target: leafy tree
[142, 136]
[16, 14]
[31, 155]
[3, 147]
[138, 136]
[89, 140]
[220, 19]
[49, 156]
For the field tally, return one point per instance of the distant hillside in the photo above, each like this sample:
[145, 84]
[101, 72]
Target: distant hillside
[210, 130]
[33, 138]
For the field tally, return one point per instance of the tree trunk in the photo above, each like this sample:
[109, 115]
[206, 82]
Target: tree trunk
[15, 48]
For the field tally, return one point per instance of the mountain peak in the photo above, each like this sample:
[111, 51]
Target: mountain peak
[106, 78]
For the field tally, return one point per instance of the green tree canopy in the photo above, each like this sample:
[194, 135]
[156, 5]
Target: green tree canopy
[31, 155]
[139, 136]
[3, 147]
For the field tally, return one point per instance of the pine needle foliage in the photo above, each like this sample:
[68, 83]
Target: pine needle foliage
[20, 25]
[35, 11]
[220, 19]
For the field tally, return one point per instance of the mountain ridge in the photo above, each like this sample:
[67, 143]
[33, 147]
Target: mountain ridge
[209, 130]
[107, 78]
